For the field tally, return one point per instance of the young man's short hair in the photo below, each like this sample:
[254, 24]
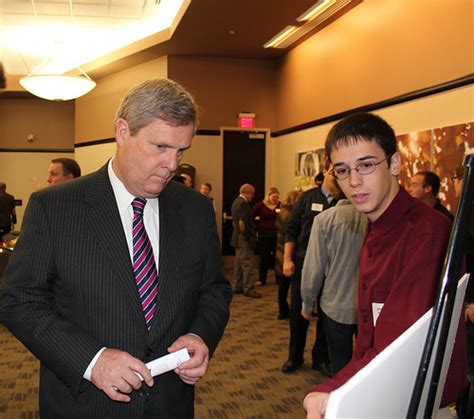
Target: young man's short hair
[362, 127]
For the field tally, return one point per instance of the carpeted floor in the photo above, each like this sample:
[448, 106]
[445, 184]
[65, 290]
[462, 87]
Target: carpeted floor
[243, 381]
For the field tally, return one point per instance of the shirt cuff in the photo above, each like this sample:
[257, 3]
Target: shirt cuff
[307, 308]
[88, 373]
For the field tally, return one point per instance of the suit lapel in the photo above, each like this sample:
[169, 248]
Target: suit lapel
[171, 238]
[105, 223]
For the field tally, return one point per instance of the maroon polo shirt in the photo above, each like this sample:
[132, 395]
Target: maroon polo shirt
[400, 266]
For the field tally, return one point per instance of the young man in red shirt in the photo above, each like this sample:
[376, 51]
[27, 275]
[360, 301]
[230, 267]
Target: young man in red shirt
[402, 253]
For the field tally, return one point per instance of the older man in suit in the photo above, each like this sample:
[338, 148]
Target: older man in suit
[119, 267]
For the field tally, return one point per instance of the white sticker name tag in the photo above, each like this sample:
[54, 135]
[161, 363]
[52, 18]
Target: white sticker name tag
[316, 207]
[376, 309]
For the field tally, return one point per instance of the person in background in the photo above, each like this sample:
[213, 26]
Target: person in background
[118, 268]
[425, 187]
[466, 406]
[178, 178]
[318, 180]
[62, 169]
[311, 203]
[206, 189]
[402, 253]
[283, 282]
[329, 277]
[264, 213]
[7, 211]
[188, 181]
[243, 240]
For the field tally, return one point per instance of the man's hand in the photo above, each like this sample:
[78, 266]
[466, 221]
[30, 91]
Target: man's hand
[470, 312]
[115, 373]
[288, 268]
[192, 370]
[315, 405]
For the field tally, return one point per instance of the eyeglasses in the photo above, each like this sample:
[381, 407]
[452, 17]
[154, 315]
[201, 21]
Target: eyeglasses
[363, 168]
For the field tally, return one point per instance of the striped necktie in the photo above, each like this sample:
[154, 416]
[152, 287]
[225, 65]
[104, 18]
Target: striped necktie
[144, 266]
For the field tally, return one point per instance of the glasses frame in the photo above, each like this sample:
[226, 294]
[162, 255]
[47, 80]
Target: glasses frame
[356, 168]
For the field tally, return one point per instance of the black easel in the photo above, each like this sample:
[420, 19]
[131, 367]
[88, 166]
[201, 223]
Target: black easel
[446, 291]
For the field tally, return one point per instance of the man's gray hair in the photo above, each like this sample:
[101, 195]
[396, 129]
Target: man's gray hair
[157, 99]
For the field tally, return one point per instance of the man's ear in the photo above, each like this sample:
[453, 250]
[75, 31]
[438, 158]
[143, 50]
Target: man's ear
[122, 131]
[395, 164]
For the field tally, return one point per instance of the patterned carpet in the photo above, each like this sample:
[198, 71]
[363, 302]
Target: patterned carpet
[243, 381]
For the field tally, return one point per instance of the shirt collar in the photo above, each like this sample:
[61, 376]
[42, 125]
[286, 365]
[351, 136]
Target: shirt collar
[122, 196]
[329, 196]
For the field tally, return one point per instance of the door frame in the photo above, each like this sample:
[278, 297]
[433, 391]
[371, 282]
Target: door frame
[228, 260]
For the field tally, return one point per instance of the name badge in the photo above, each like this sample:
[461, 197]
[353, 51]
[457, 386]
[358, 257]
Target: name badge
[376, 309]
[316, 207]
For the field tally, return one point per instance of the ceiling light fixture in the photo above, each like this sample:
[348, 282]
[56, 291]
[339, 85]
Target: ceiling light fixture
[315, 10]
[280, 37]
[56, 86]
[321, 14]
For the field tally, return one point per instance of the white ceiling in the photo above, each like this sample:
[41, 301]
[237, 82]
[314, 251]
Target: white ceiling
[58, 35]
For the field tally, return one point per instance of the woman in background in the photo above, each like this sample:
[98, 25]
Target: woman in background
[264, 214]
[283, 282]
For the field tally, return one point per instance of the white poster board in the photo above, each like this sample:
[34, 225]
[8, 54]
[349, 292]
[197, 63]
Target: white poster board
[383, 388]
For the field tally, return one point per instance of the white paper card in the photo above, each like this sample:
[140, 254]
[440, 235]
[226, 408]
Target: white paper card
[376, 309]
[168, 362]
[316, 207]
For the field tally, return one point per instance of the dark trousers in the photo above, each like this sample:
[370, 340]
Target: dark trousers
[266, 246]
[283, 288]
[299, 325]
[339, 338]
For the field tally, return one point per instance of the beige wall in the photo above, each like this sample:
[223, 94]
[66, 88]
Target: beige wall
[91, 158]
[439, 110]
[51, 123]
[225, 87]
[95, 112]
[379, 50]
[25, 173]
[206, 155]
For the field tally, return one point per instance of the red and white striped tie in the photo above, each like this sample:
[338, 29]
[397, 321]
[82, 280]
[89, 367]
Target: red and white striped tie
[144, 266]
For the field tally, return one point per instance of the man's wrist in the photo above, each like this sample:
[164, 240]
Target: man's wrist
[88, 373]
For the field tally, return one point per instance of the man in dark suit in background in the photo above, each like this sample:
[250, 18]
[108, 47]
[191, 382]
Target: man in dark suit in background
[63, 169]
[7, 210]
[73, 294]
[425, 187]
[244, 239]
[298, 230]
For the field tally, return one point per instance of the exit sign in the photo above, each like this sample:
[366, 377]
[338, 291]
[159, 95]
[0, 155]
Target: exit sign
[246, 120]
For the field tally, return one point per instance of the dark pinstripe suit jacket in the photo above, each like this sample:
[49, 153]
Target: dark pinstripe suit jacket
[70, 291]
